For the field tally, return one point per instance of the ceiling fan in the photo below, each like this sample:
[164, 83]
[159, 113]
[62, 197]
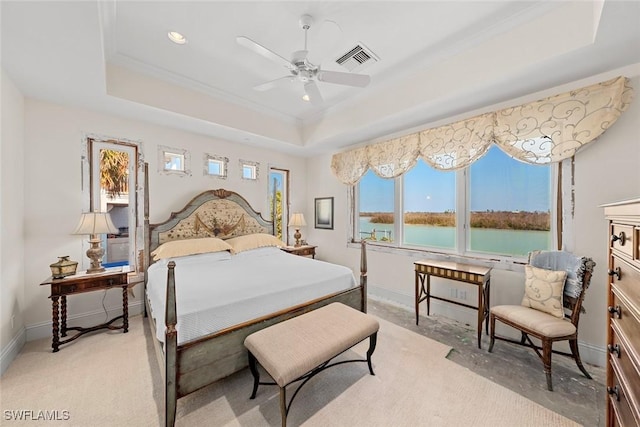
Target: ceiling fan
[301, 69]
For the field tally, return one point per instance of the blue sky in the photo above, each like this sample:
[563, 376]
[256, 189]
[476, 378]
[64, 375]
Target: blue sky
[497, 183]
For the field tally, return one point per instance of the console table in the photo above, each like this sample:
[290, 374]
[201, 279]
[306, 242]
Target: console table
[80, 283]
[473, 274]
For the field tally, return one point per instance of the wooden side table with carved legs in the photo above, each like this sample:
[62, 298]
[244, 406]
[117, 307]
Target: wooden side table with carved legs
[77, 284]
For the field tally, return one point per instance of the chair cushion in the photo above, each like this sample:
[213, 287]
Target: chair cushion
[541, 323]
[543, 290]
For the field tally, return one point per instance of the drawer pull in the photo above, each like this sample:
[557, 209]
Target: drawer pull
[615, 311]
[614, 390]
[614, 349]
[616, 272]
[621, 236]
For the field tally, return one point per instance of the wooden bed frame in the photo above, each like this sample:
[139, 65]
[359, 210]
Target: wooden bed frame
[195, 364]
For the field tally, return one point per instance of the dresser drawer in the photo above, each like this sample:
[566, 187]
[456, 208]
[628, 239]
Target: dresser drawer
[624, 360]
[623, 317]
[624, 410]
[625, 284]
[620, 410]
[91, 283]
[622, 238]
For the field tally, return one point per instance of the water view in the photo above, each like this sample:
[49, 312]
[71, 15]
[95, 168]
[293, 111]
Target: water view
[498, 241]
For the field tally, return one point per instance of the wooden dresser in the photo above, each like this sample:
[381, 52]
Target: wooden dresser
[623, 332]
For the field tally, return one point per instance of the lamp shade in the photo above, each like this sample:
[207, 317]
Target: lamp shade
[297, 220]
[95, 223]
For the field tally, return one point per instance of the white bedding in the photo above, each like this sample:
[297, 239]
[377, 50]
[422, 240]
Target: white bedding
[219, 290]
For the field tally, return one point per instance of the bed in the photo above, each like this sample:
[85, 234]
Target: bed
[197, 343]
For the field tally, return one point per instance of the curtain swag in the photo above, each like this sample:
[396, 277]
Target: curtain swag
[540, 132]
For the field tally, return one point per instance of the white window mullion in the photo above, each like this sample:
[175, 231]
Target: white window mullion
[398, 228]
[462, 211]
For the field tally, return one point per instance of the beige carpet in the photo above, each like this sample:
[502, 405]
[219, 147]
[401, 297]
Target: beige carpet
[111, 379]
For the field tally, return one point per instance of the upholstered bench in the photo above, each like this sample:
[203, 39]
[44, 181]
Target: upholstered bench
[299, 348]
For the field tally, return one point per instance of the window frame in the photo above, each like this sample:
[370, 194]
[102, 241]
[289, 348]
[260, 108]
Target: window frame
[186, 158]
[561, 202]
[224, 165]
[254, 167]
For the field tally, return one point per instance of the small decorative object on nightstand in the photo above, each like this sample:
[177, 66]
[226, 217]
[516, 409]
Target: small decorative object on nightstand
[297, 221]
[302, 250]
[93, 224]
[63, 267]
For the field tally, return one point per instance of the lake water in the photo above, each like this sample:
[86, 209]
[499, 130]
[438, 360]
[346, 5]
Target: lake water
[489, 240]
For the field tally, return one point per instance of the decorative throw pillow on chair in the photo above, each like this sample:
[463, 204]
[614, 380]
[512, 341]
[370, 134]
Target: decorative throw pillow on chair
[543, 290]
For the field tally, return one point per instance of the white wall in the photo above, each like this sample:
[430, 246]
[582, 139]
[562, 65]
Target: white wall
[11, 213]
[605, 171]
[52, 149]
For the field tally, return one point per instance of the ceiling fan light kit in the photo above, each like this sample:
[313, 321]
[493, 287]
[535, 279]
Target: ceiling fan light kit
[301, 69]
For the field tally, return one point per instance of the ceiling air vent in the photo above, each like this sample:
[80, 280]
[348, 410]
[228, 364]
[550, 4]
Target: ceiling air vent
[357, 58]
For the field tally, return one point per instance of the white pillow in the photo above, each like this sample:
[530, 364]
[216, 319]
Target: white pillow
[543, 290]
[252, 241]
[179, 248]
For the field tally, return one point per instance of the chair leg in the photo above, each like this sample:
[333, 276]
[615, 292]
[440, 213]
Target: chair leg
[523, 338]
[546, 360]
[492, 323]
[573, 344]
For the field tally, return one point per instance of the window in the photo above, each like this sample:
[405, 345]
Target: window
[510, 205]
[429, 207]
[376, 216]
[173, 161]
[497, 207]
[215, 166]
[279, 200]
[111, 177]
[249, 170]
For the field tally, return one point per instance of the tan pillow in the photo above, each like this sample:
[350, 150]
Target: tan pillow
[253, 241]
[178, 248]
[543, 290]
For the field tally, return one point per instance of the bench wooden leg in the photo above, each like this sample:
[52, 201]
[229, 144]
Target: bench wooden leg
[373, 339]
[256, 374]
[283, 405]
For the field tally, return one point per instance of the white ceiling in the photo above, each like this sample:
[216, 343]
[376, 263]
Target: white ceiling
[437, 59]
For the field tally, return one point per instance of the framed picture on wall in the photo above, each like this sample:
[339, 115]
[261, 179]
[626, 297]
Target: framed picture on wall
[324, 213]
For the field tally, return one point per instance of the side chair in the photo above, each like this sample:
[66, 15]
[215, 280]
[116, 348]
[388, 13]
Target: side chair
[555, 283]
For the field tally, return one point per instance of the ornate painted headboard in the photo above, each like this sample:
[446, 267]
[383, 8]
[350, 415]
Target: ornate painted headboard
[214, 213]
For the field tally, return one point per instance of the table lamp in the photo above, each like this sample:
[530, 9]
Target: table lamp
[93, 224]
[297, 221]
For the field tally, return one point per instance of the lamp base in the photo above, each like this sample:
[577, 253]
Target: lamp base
[297, 236]
[95, 254]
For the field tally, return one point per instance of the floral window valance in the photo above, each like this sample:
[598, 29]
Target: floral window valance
[540, 132]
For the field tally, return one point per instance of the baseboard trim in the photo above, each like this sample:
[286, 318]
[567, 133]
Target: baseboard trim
[589, 353]
[43, 329]
[11, 351]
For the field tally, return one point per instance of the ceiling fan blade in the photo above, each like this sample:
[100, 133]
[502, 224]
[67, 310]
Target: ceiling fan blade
[267, 53]
[273, 83]
[311, 89]
[349, 79]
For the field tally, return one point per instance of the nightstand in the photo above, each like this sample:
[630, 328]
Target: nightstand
[81, 283]
[304, 250]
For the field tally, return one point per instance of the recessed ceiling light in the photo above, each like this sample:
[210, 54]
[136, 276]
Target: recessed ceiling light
[176, 37]
[305, 97]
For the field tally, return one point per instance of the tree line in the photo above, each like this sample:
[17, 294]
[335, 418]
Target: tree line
[520, 220]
